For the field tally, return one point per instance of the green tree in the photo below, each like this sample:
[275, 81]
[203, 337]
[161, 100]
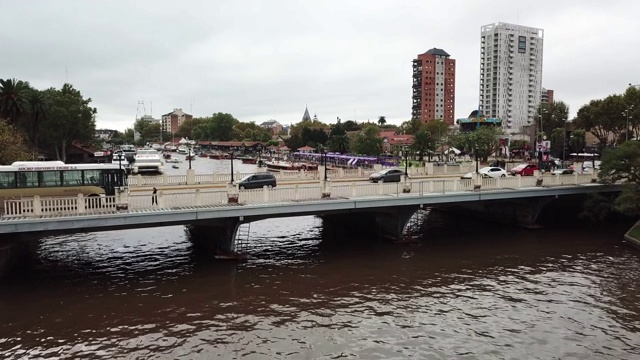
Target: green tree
[38, 107]
[339, 143]
[351, 125]
[577, 141]
[411, 127]
[423, 141]
[605, 118]
[382, 120]
[221, 126]
[13, 145]
[368, 141]
[71, 119]
[483, 142]
[13, 99]
[623, 164]
[558, 142]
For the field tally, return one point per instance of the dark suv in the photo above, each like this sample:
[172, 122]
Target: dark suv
[257, 181]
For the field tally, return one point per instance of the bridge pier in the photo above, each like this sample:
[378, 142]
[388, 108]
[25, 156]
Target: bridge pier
[521, 212]
[218, 236]
[386, 223]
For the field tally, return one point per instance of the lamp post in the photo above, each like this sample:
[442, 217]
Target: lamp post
[231, 155]
[189, 156]
[325, 164]
[475, 154]
[406, 161]
[626, 113]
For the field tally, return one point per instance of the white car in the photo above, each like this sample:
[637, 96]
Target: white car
[489, 171]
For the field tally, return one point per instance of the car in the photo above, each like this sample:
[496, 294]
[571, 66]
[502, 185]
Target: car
[489, 171]
[257, 181]
[562, 172]
[524, 169]
[387, 175]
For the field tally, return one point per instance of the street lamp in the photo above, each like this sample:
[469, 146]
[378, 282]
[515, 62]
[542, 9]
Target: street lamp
[189, 156]
[325, 164]
[475, 154]
[231, 155]
[406, 161]
[626, 113]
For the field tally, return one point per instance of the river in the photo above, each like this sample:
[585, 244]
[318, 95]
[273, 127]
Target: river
[474, 292]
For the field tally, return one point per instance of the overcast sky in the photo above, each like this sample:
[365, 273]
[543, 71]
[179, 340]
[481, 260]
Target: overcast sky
[260, 60]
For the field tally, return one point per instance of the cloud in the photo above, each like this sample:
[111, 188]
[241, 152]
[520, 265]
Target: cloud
[259, 60]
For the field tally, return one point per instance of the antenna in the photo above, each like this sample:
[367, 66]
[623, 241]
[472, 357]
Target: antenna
[151, 111]
[144, 111]
[191, 107]
[66, 74]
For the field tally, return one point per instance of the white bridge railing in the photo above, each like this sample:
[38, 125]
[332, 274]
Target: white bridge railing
[79, 205]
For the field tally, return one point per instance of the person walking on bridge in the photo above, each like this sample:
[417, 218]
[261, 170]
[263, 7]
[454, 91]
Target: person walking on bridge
[154, 197]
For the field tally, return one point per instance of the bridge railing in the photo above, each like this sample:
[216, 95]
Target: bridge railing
[79, 205]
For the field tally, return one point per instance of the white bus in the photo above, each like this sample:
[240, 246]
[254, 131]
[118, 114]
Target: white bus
[55, 179]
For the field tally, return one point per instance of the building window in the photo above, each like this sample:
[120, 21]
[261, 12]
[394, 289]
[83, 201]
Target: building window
[522, 44]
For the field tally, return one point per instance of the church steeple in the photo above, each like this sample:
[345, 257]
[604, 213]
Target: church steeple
[306, 116]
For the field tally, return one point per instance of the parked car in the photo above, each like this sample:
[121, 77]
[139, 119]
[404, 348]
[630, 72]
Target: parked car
[387, 175]
[524, 169]
[257, 181]
[562, 172]
[489, 171]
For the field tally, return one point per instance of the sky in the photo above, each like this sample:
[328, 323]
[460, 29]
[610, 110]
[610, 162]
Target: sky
[261, 60]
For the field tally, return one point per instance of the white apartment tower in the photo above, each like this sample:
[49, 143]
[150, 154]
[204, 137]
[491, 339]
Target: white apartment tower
[510, 73]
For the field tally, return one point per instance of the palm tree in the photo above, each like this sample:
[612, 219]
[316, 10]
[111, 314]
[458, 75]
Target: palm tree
[382, 120]
[38, 108]
[423, 141]
[12, 99]
[339, 143]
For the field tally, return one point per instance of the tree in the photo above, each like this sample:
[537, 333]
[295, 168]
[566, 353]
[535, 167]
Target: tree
[13, 99]
[339, 143]
[553, 115]
[603, 118]
[423, 141]
[71, 119]
[577, 141]
[221, 126]
[623, 164]
[558, 142]
[13, 145]
[382, 120]
[483, 142]
[351, 125]
[38, 107]
[411, 127]
[368, 141]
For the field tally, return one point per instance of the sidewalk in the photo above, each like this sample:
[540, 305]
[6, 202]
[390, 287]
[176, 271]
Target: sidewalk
[148, 188]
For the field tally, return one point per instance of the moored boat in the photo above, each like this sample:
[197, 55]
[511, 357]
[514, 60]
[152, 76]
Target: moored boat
[289, 166]
[248, 160]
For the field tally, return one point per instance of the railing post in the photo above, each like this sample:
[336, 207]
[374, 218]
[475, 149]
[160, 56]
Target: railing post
[198, 198]
[499, 183]
[519, 181]
[297, 190]
[191, 177]
[353, 190]
[80, 204]
[455, 185]
[161, 199]
[431, 187]
[139, 180]
[265, 194]
[341, 173]
[446, 169]
[37, 206]
[380, 187]
[575, 175]
[165, 179]
[326, 189]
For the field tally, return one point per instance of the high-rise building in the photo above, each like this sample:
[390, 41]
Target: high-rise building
[172, 121]
[546, 96]
[434, 86]
[510, 73]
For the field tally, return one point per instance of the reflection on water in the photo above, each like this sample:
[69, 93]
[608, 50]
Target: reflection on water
[476, 291]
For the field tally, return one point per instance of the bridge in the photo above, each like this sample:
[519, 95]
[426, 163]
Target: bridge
[214, 215]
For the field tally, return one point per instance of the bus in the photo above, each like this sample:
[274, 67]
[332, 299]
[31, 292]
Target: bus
[57, 179]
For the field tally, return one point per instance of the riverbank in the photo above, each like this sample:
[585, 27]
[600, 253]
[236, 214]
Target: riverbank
[633, 235]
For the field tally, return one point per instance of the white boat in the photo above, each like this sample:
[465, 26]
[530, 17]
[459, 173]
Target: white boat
[147, 160]
[183, 150]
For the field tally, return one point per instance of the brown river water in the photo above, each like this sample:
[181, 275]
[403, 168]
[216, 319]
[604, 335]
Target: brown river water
[477, 291]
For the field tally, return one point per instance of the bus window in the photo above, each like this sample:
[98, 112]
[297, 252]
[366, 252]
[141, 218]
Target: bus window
[27, 179]
[7, 180]
[49, 178]
[72, 177]
[92, 177]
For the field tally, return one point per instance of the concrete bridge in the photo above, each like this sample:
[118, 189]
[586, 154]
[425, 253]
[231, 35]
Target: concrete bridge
[215, 215]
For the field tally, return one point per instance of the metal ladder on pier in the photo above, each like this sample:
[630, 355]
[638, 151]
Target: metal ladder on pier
[242, 239]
